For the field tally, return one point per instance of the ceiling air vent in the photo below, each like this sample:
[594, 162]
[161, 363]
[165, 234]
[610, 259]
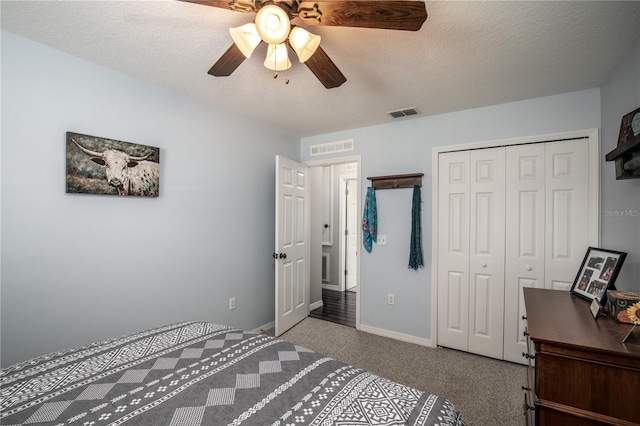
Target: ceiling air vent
[405, 112]
[331, 147]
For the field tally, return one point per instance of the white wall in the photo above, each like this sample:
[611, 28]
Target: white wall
[79, 268]
[620, 215]
[404, 146]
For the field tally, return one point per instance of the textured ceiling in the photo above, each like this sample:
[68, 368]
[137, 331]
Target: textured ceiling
[467, 54]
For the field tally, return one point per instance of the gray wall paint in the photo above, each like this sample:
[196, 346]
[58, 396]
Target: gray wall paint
[404, 146]
[621, 198]
[80, 268]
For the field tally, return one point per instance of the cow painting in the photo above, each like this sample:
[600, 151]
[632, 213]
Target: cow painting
[104, 166]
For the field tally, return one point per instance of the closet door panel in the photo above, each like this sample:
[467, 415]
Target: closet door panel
[453, 243]
[486, 257]
[524, 266]
[567, 213]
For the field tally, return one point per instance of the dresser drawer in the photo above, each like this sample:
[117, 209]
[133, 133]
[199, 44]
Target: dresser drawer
[596, 387]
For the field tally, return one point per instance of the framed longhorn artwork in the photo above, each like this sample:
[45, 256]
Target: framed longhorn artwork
[105, 166]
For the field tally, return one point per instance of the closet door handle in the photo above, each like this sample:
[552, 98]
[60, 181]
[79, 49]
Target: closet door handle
[528, 268]
[483, 264]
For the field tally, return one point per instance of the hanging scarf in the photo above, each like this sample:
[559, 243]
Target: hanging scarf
[369, 220]
[415, 251]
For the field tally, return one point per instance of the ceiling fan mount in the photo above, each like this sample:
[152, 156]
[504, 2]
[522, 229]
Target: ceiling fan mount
[273, 25]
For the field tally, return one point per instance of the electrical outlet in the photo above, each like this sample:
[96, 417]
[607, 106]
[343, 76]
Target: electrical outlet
[391, 299]
[381, 240]
[232, 303]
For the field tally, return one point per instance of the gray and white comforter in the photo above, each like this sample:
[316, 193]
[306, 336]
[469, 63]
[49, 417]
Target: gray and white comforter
[198, 373]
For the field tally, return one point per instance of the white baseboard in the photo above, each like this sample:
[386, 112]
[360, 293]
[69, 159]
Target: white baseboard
[265, 327]
[395, 335]
[316, 305]
[330, 287]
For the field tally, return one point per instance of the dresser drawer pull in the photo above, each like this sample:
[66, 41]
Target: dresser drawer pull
[527, 356]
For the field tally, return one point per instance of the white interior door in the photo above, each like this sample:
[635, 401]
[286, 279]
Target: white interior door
[486, 251]
[453, 245]
[292, 248]
[352, 233]
[567, 211]
[525, 222]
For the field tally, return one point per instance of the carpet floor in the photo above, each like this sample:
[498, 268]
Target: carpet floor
[485, 390]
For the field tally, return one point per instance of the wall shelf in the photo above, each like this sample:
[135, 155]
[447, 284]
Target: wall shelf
[396, 181]
[627, 153]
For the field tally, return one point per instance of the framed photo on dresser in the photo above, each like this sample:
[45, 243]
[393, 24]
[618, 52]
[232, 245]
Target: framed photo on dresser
[597, 273]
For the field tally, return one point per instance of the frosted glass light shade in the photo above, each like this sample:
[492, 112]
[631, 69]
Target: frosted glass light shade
[246, 37]
[304, 43]
[272, 23]
[277, 57]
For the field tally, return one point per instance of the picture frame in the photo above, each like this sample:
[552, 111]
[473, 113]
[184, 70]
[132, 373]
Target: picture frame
[598, 273]
[97, 165]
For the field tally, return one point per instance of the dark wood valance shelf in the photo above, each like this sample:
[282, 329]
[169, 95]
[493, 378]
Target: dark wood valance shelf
[396, 181]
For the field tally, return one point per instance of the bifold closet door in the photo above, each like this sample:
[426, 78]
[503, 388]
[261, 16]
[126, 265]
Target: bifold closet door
[547, 234]
[453, 249]
[525, 239]
[471, 265]
[567, 228]
[508, 218]
[487, 251]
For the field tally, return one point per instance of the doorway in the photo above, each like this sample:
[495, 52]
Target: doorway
[335, 233]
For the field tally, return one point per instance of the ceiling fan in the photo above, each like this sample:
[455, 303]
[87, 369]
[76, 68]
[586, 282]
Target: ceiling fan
[273, 26]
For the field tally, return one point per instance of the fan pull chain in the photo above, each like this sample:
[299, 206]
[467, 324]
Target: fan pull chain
[275, 63]
[275, 66]
[286, 76]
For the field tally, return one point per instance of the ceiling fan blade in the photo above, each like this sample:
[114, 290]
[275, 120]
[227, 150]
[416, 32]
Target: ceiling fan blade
[408, 15]
[325, 70]
[228, 62]
[223, 4]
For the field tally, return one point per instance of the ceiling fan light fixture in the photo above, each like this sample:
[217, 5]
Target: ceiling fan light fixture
[303, 43]
[272, 24]
[246, 37]
[277, 57]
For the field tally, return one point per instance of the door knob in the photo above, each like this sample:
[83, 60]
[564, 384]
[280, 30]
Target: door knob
[528, 268]
[275, 256]
[283, 255]
[483, 264]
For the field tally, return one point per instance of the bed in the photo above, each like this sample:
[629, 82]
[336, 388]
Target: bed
[200, 373]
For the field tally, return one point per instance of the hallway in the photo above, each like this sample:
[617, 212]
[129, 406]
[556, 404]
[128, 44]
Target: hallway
[338, 307]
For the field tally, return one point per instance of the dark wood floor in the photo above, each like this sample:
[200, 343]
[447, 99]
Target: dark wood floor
[337, 306]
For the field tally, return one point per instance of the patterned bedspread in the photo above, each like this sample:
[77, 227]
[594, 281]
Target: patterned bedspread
[198, 373]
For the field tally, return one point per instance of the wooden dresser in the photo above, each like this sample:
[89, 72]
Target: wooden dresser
[583, 374]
